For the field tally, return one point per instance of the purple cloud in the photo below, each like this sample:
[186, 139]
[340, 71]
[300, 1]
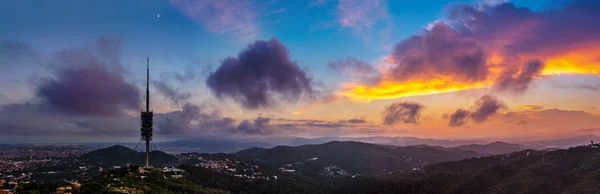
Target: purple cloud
[404, 112]
[259, 76]
[459, 118]
[519, 80]
[260, 126]
[485, 107]
[89, 83]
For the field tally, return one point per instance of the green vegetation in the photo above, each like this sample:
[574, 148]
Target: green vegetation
[570, 171]
[575, 170]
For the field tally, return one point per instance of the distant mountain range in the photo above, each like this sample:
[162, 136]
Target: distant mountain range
[494, 148]
[354, 157]
[215, 144]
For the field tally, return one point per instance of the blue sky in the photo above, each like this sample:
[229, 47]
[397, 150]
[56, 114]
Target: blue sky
[182, 35]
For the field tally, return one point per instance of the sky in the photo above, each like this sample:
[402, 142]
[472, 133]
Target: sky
[74, 71]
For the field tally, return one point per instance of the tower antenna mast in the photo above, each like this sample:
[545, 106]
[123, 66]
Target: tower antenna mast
[146, 117]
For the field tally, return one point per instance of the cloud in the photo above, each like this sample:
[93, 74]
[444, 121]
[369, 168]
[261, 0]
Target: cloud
[459, 118]
[485, 107]
[440, 50]
[577, 86]
[362, 16]
[356, 121]
[13, 51]
[318, 2]
[87, 83]
[404, 112]
[38, 119]
[235, 17]
[300, 120]
[353, 66]
[496, 45]
[218, 124]
[174, 95]
[259, 76]
[519, 81]
[260, 126]
[546, 120]
[190, 73]
[177, 122]
[531, 107]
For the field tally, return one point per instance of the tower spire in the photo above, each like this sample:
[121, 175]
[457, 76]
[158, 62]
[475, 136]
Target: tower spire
[148, 84]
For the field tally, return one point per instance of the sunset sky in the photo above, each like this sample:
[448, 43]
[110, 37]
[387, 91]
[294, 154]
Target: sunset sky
[74, 71]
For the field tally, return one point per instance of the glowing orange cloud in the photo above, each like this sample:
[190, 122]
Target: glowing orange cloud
[579, 61]
[391, 89]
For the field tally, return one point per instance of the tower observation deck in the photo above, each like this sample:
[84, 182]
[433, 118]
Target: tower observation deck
[146, 116]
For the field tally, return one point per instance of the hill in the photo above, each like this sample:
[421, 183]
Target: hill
[493, 148]
[574, 170]
[353, 157]
[119, 155]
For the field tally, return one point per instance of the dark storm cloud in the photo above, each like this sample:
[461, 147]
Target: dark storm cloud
[403, 112]
[440, 50]
[518, 80]
[485, 107]
[173, 94]
[259, 76]
[353, 66]
[459, 118]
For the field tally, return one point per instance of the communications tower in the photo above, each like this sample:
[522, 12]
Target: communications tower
[147, 116]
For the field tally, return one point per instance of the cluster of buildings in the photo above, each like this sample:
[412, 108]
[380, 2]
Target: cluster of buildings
[334, 171]
[226, 165]
[18, 158]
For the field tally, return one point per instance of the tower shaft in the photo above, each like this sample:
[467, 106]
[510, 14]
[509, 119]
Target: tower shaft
[147, 154]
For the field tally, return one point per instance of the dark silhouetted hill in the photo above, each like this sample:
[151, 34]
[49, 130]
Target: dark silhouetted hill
[574, 170]
[354, 157]
[119, 155]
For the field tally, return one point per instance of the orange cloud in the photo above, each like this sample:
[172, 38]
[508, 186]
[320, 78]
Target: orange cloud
[503, 47]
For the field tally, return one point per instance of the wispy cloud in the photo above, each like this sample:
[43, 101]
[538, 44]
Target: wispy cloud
[363, 16]
[235, 17]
